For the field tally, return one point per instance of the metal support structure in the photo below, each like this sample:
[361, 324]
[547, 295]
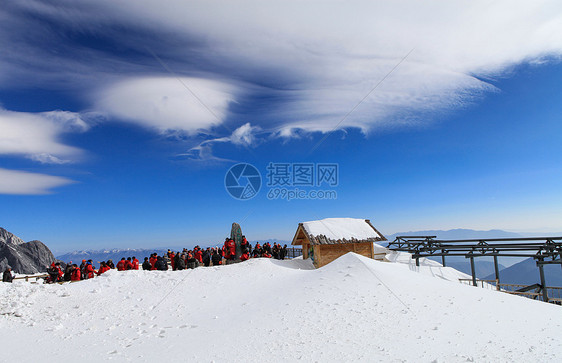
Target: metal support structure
[473, 270]
[545, 250]
[543, 282]
[497, 269]
[443, 260]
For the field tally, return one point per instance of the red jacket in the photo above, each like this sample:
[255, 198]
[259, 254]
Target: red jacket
[128, 265]
[135, 264]
[121, 265]
[89, 270]
[199, 256]
[230, 248]
[152, 261]
[244, 256]
[75, 276]
[103, 269]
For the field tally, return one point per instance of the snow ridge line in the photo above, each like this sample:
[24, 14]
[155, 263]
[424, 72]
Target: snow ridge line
[385, 285]
[172, 289]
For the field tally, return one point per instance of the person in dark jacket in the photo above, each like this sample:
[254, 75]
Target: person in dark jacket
[191, 261]
[160, 264]
[146, 264]
[207, 257]
[7, 276]
[68, 272]
[179, 261]
[283, 252]
[110, 264]
[55, 272]
[216, 258]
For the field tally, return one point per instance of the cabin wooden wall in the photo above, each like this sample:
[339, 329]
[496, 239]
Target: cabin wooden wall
[324, 254]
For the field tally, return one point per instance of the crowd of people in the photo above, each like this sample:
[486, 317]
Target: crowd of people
[186, 259]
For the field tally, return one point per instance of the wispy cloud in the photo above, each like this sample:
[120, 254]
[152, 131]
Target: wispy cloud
[290, 66]
[37, 135]
[26, 183]
[244, 136]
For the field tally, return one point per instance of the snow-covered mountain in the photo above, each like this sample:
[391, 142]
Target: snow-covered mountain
[23, 257]
[263, 310]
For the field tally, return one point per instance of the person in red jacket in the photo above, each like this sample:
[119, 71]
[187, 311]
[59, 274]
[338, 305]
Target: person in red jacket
[172, 257]
[128, 264]
[229, 249]
[199, 255]
[89, 270]
[103, 268]
[121, 265]
[75, 275]
[135, 263]
[152, 260]
[244, 256]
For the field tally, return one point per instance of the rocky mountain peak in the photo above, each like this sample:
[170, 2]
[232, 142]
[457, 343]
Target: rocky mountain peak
[8, 237]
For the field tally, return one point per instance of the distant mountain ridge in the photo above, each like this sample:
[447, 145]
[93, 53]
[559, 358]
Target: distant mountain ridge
[526, 272]
[458, 233]
[114, 254]
[23, 257]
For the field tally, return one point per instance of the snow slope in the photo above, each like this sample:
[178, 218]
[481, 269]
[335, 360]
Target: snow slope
[267, 310]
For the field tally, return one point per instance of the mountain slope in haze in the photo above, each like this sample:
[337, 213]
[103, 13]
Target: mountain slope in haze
[526, 272]
[459, 233]
[483, 268]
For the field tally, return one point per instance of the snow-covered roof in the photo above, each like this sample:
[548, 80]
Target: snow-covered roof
[341, 230]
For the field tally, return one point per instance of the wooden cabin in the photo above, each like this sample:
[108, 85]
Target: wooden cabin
[327, 239]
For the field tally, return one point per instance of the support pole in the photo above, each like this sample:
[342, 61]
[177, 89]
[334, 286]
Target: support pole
[473, 270]
[497, 269]
[543, 283]
[417, 261]
[443, 259]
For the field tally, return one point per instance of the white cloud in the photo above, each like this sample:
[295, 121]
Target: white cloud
[332, 53]
[21, 182]
[315, 59]
[37, 135]
[244, 136]
[45, 158]
[168, 103]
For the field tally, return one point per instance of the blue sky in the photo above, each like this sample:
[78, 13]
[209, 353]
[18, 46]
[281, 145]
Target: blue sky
[118, 122]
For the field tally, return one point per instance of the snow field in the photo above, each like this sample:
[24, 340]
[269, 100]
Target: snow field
[267, 310]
